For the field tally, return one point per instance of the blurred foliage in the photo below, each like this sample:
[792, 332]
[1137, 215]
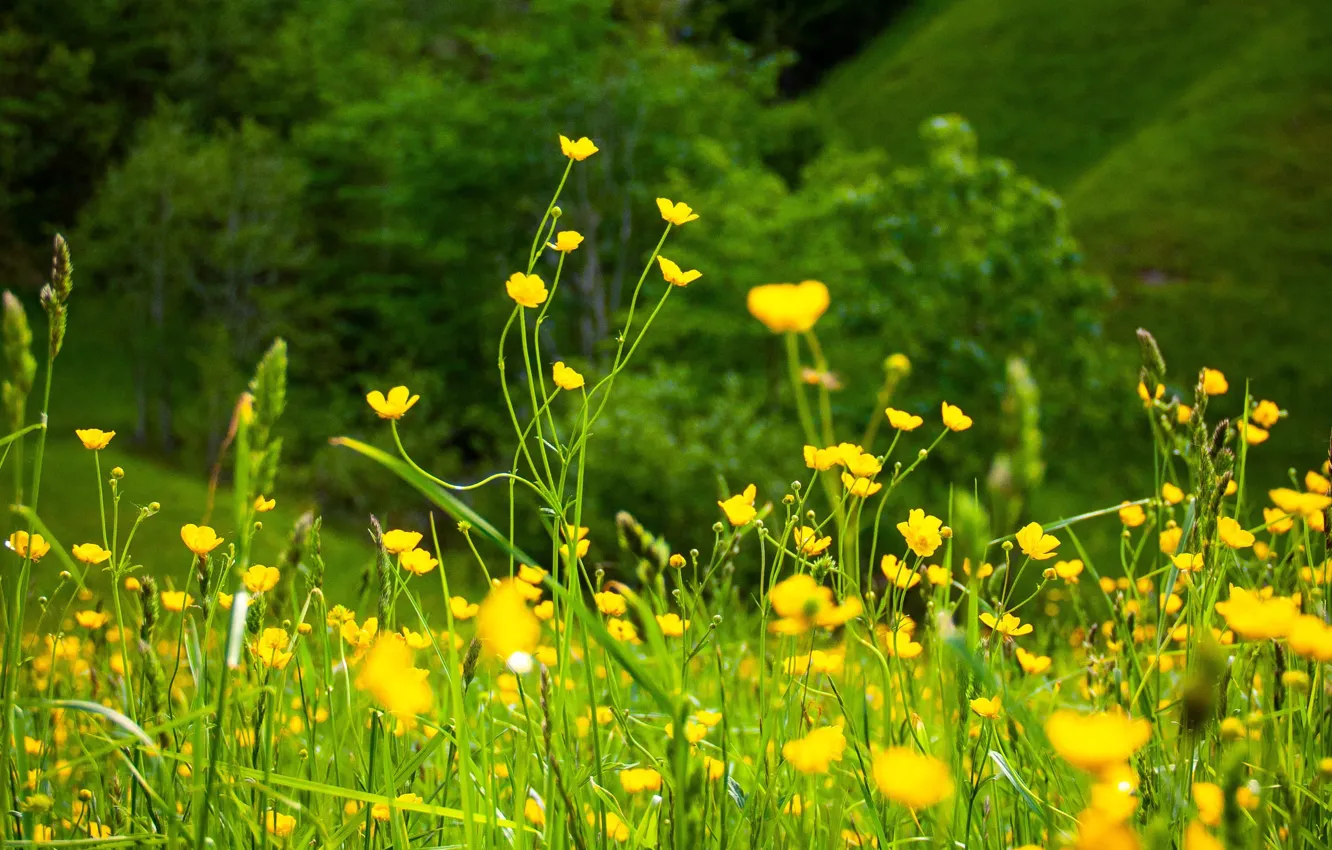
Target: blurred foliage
[358, 178]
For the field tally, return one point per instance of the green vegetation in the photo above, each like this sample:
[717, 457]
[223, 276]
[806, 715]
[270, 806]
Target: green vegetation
[1189, 141]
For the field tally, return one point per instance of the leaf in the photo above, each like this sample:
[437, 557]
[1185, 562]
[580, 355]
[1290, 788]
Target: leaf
[448, 502]
[1018, 785]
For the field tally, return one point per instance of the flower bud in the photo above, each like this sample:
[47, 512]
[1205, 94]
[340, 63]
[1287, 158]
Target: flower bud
[117, 473]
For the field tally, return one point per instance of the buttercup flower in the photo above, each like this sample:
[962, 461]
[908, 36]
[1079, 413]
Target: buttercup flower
[566, 378]
[398, 401]
[1132, 515]
[809, 543]
[1249, 615]
[89, 553]
[674, 275]
[1096, 742]
[676, 213]
[1069, 570]
[1211, 802]
[1035, 543]
[898, 573]
[92, 619]
[916, 781]
[1266, 413]
[567, 241]
[861, 488]
[739, 509]
[579, 534]
[987, 707]
[462, 609]
[94, 438]
[397, 541]
[279, 824]
[636, 780]
[820, 459]
[1008, 625]
[1031, 663]
[903, 421]
[388, 676]
[417, 561]
[1232, 534]
[262, 505]
[1214, 382]
[271, 648]
[176, 600]
[579, 150]
[1171, 494]
[922, 532]
[815, 752]
[505, 625]
[789, 307]
[19, 541]
[954, 419]
[528, 290]
[259, 578]
[1252, 434]
[671, 625]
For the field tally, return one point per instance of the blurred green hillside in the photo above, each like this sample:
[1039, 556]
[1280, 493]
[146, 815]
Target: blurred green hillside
[1190, 142]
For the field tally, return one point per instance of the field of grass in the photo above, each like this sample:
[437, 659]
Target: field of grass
[1189, 141]
[895, 674]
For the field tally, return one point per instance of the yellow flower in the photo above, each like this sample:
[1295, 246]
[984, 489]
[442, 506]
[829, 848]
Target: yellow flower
[566, 378]
[674, 275]
[739, 509]
[94, 438]
[271, 648]
[91, 619]
[397, 541]
[635, 780]
[922, 532]
[1146, 397]
[1308, 505]
[676, 213]
[388, 676]
[579, 150]
[937, 575]
[1171, 494]
[1266, 414]
[1096, 742]
[676, 561]
[262, 505]
[1318, 484]
[1184, 562]
[533, 812]
[567, 241]
[815, 752]
[259, 578]
[671, 625]
[1031, 663]
[415, 640]
[615, 826]
[987, 707]
[176, 600]
[90, 553]
[1196, 837]
[1069, 570]
[528, 290]
[622, 630]
[1210, 801]
[1035, 543]
[611, 603]
[580, 535]
[279, 824]
[788, 307]
[898, 573]
[820, 459]
[861, 488]
[199, 539]
[1252, 434]
[1250, 615]
[417, 561]
[398, 401]
[1232, 534]
[1008, 625]
[954, 419]
[1132, 515]
[359, 636]
[462, 609]
[504, 624]
[1170, 539]
[1278, 521]
[532, 575]
[1214, 382]
[808, 541]
[1183, 414]
[708, 718]
[903, 421]
[800, 599]
[714, 768]
[916, 781]
[18, 542]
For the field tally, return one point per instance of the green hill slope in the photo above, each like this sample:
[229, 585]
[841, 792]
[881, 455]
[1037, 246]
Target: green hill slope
[1191, 141]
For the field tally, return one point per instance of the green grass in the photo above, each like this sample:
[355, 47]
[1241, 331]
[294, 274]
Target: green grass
[1190, 142]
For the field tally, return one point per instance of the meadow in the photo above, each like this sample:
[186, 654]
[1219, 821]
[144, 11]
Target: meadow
[829, 665]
